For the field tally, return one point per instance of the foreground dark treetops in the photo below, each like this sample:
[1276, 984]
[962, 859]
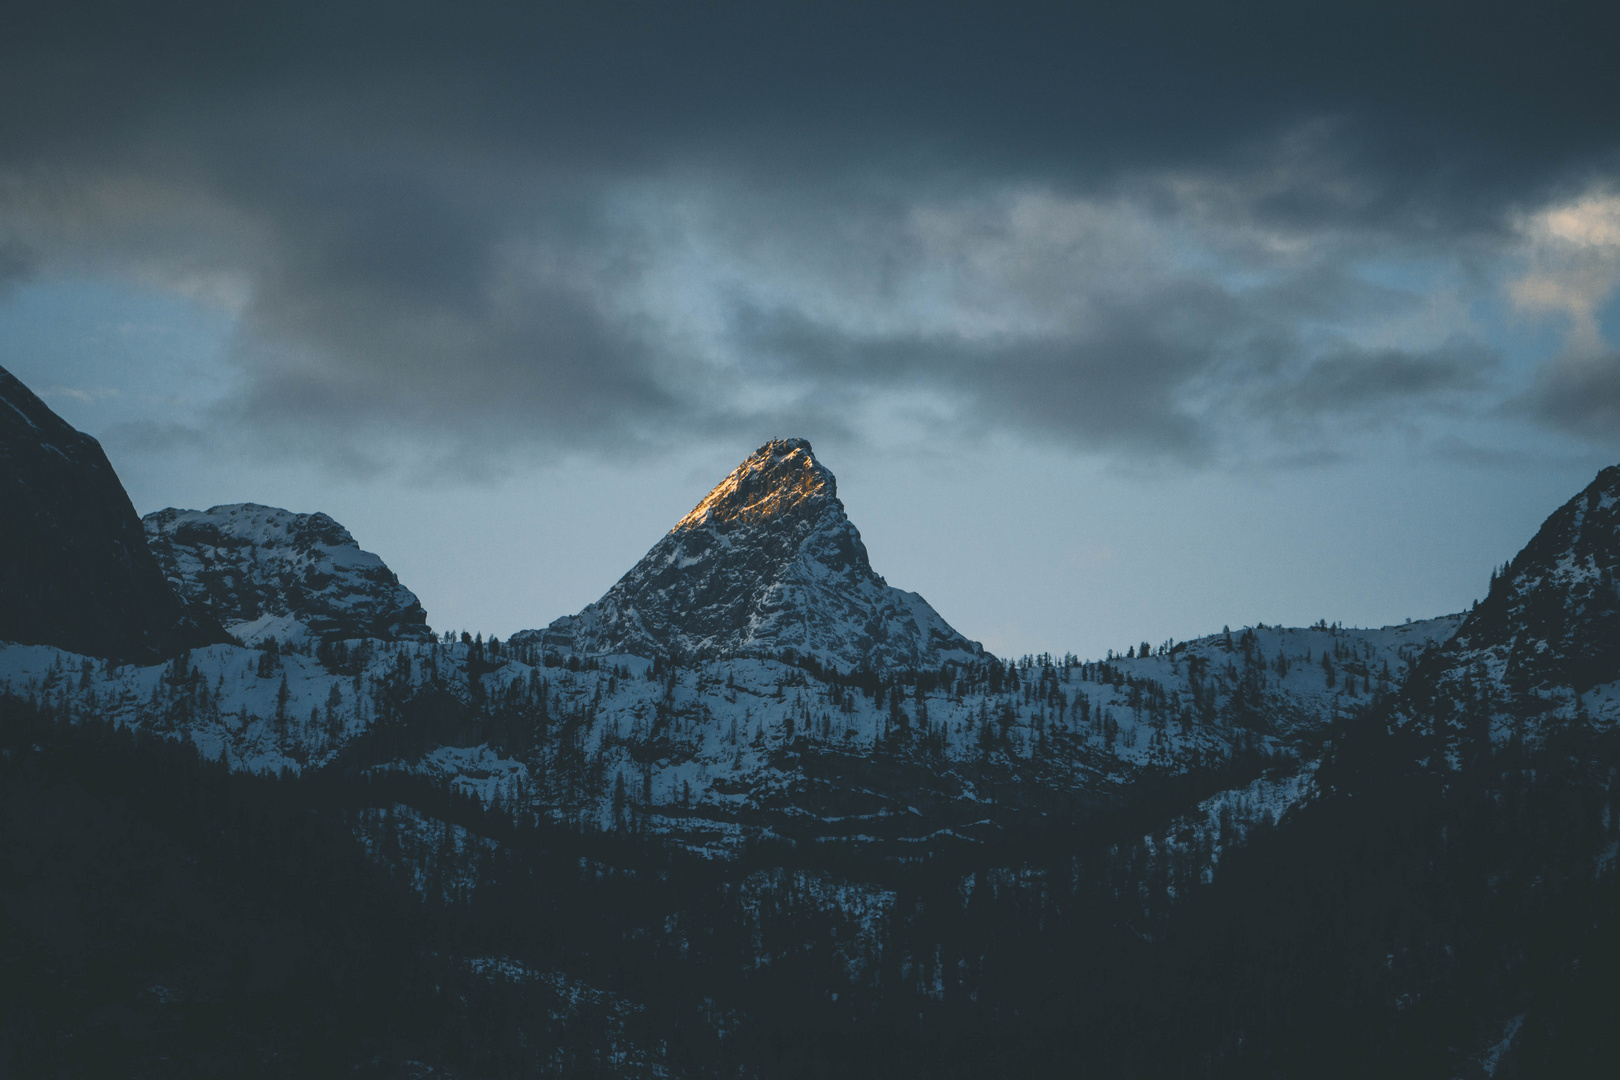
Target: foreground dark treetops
[756, 813]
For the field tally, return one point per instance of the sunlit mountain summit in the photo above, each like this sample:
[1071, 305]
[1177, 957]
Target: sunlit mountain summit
[766, 563]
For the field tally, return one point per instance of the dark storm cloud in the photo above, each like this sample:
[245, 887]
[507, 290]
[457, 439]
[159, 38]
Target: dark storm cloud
[538, 365]
[1116, 384]
[422, 206]
[1582, 396]
[1159, 377]
[1431, 88]
[1358, 380]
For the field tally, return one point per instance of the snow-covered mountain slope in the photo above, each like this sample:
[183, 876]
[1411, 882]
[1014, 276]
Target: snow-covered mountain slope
[1289, 680]
[74, 567]
[265, 572]
[714, 752]
[1542, 650]
[766, 563]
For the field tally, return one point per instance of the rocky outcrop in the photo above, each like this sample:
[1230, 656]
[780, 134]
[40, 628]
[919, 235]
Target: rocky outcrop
[265, 572]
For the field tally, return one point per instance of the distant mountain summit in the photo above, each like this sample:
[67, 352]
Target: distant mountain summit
[767, 562]
[266, 572]
[74, 568]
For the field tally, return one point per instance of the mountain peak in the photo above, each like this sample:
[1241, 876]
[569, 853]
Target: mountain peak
[766, 563]
[779, 478]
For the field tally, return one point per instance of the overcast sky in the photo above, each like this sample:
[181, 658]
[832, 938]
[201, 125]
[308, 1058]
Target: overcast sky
[1112, 327]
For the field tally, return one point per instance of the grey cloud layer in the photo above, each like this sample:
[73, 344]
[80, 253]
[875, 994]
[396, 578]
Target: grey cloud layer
[1580, 395]
[551, 226]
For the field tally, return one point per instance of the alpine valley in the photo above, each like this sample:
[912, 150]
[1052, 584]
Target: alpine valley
[758, 813]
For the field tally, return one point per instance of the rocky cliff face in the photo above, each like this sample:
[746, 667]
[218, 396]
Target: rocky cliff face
[75, 571]
[1543, 648]
[767, 562]
[266, 572]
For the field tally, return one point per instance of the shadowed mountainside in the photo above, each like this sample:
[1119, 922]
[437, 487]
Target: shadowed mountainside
[75, 571]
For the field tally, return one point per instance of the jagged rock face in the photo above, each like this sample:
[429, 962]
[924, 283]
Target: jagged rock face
[75, 571]
[1548, 633]
[767, 562]
[265, 572]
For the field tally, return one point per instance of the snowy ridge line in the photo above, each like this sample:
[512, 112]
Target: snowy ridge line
[712, 753]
